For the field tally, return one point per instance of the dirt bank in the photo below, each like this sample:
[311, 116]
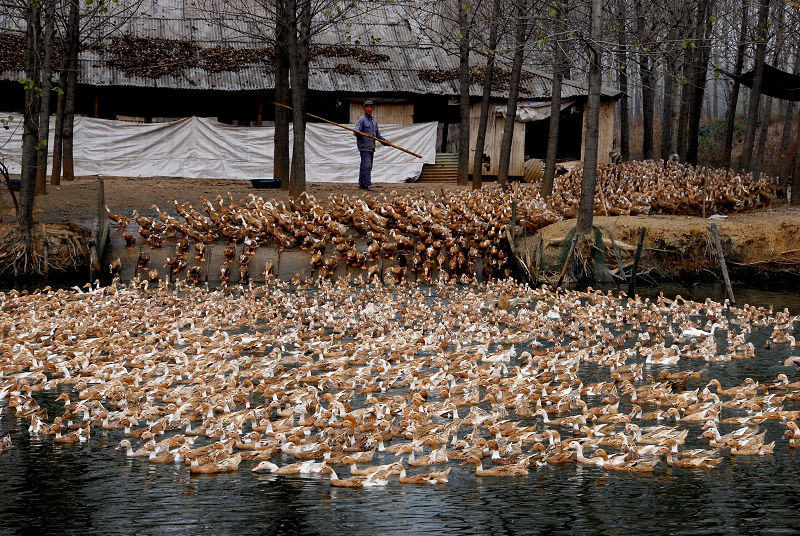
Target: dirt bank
[763, 242]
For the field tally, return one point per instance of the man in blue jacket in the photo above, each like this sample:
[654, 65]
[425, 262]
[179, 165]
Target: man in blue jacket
[367, 124]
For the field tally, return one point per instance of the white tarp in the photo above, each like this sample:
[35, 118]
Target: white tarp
[202, 148]
[528, 111]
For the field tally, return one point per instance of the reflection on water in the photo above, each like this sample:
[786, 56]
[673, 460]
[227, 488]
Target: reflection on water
[779, 298]
[96, 489]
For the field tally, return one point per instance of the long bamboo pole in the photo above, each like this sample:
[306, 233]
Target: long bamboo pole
[390, 144]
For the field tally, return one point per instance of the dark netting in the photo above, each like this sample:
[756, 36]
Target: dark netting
[775, 83]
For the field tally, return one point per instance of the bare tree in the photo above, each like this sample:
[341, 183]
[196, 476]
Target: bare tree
[488, 76]
[668, 108]
[281, 162]
[30, 134]
[586, 206]
[520, 37]
[44, 112]
[555, 105]
[795, 201]
[622, 77]
[758, 157]
[699, 70]
[643, 15]
[733, 98]
[71, 91]
[464, 28]
[290, 27]
[755, 93]
[452, 26]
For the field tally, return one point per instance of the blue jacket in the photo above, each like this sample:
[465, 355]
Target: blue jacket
[367, 125]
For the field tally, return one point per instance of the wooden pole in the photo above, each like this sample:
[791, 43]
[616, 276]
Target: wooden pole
[722, 264]
[46, 250]
[539, 256]
[569, 257]
[705, 194]
[635, 268]
[390, 144]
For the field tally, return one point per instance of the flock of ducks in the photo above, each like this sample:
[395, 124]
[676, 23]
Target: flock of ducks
[365, 384]
[453, 233]
[663, 187]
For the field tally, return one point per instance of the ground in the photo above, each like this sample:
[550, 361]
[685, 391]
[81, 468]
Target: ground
[77, 200]
[763, 241]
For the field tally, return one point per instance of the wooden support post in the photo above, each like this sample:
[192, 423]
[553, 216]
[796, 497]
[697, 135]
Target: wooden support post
[101, 200]
[260, 113]
[94, 264]
[569, 257]
[539, 256]
[514, 211]
[705, 194]
[46, 250]
[721, 258]
[635, 268]
[618, 256]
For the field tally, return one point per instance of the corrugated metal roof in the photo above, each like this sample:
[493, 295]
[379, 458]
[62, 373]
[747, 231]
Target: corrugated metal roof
[385, 29]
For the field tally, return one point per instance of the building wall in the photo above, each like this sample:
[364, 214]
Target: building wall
[494, 139]
[385, 113]
[605, 139]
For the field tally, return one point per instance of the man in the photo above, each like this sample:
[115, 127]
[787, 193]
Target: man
[367, 124]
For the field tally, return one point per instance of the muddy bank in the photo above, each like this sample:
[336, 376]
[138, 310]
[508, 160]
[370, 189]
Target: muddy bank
[763, 243]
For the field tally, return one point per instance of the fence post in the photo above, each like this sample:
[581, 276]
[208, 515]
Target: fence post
[721, 258]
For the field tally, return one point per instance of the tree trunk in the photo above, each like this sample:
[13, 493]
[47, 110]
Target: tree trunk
[30, 135]
[668, 110]
[646, 76]
[73, 35]
[702, 53]
[755, 92]
[555, 110]
[44, 112]
[463, 91]
[763, 131]
[796, 175]
[586, 208]
[480, 141]
[668, 116]
[513, 92]
[299, 34]
[786, 134]
[733, 99]
[624, 118]
[55, 173]
[686, 96]
[280, 153]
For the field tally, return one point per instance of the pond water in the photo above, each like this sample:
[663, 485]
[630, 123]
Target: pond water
[94, 489]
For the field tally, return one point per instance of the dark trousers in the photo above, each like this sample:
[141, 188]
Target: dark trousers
[365, 172]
